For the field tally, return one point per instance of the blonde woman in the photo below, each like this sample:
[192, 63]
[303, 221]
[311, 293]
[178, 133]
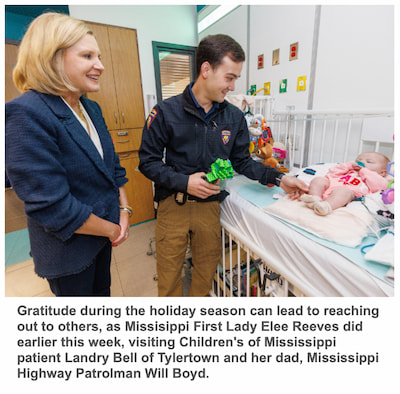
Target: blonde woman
[61, 160]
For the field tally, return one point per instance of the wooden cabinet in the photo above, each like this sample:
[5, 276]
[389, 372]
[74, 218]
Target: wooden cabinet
[140, 190]
[126, 140]
[11, 52]
[121, 100]
[120, 95]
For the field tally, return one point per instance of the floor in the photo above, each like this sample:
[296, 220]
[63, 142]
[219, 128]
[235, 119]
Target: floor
[132, 268]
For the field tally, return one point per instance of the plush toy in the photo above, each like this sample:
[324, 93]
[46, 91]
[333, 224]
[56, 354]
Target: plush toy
[388, 194]
[249, 117]
[265, 151]
[279, 151]
[255, 127]
[258, 128]
[255, 130]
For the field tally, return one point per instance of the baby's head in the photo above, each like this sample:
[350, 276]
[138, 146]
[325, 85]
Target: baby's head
[374, 161]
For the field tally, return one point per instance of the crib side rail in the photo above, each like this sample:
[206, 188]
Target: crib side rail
[326, 136]
[234, 275]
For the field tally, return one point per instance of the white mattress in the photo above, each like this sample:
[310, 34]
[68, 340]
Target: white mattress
[314, 269]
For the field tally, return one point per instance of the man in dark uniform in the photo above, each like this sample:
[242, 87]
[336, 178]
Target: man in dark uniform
[194, 129]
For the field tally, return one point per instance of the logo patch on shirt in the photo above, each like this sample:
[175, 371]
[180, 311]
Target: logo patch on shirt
[151, 117]
[226, 136]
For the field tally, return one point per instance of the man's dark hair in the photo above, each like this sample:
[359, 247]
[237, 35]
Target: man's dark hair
[213, 49]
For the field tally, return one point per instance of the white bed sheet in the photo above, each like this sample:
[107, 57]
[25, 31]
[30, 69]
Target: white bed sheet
[314, 269]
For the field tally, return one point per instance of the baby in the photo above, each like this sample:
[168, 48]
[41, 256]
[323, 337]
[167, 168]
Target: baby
[347, 181]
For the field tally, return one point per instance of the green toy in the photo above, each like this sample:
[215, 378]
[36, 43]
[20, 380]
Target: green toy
[220, 169]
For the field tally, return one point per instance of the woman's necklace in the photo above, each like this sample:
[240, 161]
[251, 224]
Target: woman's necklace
[83, 117]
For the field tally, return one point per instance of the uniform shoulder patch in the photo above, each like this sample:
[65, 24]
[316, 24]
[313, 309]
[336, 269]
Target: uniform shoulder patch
[153, 114]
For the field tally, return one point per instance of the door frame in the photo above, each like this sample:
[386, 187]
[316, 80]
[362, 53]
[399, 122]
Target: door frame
[175, 48]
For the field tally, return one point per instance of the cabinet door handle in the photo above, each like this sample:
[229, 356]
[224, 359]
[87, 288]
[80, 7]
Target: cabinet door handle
[123, 116]
[116, 118]
[124, 154]
[123, 142]
[120, 133]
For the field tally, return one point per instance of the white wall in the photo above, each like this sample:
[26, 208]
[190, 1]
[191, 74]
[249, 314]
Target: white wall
[355, 67]
[235, 25]
[174, 24]
[274, 27]
[355, 57]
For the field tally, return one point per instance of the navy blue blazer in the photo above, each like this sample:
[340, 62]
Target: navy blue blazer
[57, 171]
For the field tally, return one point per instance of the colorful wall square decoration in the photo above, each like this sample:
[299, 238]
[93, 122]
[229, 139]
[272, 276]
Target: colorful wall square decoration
[282, 86]
[301, 83]
[294, 50]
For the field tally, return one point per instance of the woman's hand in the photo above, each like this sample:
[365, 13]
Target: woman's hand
[102, 228]
[123, 233]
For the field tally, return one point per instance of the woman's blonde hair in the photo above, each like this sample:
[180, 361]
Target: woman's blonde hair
[40, 63]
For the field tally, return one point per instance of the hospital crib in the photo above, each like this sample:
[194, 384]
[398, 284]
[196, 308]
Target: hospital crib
[309, 137]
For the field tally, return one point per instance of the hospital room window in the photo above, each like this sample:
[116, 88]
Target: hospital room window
[174, 67]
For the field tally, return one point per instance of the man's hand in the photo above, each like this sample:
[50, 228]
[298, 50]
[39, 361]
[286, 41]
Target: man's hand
[293, 186]
[199, 187]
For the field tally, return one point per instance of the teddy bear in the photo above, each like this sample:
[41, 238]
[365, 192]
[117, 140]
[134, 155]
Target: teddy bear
[265, 152]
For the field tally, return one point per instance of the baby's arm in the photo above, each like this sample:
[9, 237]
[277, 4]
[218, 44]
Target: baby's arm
[373, 180]
[341, 169]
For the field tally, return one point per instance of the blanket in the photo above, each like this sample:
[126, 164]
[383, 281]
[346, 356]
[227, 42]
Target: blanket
[241, 101]
[262, 196]
[346, 226]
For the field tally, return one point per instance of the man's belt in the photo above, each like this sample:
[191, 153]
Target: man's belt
[181, 198]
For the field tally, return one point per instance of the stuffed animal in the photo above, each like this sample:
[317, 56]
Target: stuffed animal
[388, 194]
[258, 129]
[249, 117]
[265, 151]
[255, 127]
[279, 151]
[255, 130]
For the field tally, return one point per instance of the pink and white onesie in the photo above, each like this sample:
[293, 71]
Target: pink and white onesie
[360, 182]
